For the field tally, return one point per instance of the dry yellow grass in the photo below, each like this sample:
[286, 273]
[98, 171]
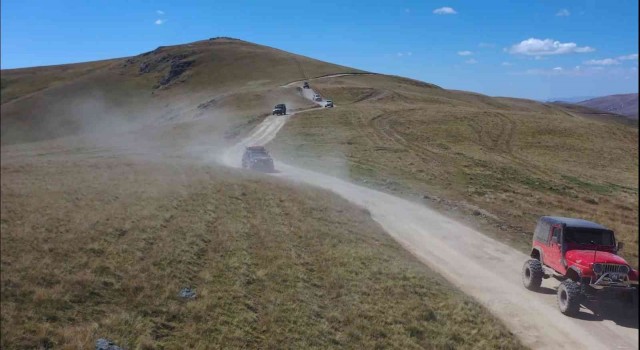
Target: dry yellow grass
[96, 244]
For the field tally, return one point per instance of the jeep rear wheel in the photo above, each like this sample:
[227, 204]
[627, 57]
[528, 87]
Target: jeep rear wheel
[569, 297]
[532, 274]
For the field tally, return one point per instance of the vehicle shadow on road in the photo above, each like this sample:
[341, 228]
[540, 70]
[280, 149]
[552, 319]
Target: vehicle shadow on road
[546, 290]
[622, 315]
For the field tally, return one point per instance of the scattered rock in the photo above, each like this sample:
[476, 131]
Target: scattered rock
[106, 344]
[591, 200]
[431, 198]
[177, 68]
[224, 38]
[187, 293]
[46, 343]
[145, 67]
[127, 62]
[212, 102]
[158, 62]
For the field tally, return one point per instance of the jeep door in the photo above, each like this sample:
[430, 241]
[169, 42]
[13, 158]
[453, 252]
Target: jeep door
[553, 256]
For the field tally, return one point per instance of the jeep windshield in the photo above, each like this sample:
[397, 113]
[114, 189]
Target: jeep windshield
[259, 154]
[585, 236]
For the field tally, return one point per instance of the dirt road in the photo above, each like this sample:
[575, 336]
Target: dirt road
[482, 267]
[297, 82]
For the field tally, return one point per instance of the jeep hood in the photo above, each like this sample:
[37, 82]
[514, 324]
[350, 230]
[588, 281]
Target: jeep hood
[586, 258]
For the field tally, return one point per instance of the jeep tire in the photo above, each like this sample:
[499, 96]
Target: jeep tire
[532, 274]
[569, 297]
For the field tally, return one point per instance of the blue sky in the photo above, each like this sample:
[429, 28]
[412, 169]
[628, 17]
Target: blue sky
[533, 49]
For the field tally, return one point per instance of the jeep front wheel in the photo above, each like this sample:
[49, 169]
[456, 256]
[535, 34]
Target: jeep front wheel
[532, 274]
[569, 297]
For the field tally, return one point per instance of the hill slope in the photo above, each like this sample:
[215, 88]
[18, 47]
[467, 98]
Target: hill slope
[135, 123]
[625, 104]
[497, 163]
[271, 264]
[169, 84]
[106, 215]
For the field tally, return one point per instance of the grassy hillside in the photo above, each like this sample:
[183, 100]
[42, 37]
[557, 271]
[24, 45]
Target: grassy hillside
[106, 215]
[96, 244]
[217, 78]
[498, 163]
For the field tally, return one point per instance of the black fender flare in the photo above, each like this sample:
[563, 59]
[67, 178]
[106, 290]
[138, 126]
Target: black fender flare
[576, 270]
[539, 254]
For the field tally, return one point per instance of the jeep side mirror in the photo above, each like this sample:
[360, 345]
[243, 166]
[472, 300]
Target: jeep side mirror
[620, 246]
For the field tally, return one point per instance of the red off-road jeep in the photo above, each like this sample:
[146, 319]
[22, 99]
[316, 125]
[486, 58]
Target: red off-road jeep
[583, 255]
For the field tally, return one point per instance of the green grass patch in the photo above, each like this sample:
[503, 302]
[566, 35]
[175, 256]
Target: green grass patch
[603, 189]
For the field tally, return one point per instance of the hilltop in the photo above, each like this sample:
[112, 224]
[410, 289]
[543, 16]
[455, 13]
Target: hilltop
[168, 84]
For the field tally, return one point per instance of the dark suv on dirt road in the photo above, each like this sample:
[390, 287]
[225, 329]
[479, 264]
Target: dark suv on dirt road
[257, 158]
[279, 109]
[583, 255]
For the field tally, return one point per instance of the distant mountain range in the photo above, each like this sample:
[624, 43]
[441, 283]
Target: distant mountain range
[574, 99]
[625, 104]
[622, 104]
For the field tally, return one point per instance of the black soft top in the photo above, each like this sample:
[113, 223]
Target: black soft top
[571, 222]
[258, 149]
[542, 231]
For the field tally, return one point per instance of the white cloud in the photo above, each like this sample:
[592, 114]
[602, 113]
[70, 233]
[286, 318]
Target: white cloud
[471, 61]
[633, 56]
[602, 62]
[563, 13]
[578, 71]
[486, 45]
[159, 21]
[160, 12]
[465, 53]
[445, 11]
[540, 47]
[408, 53]
[507, 64]
[549, 72]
